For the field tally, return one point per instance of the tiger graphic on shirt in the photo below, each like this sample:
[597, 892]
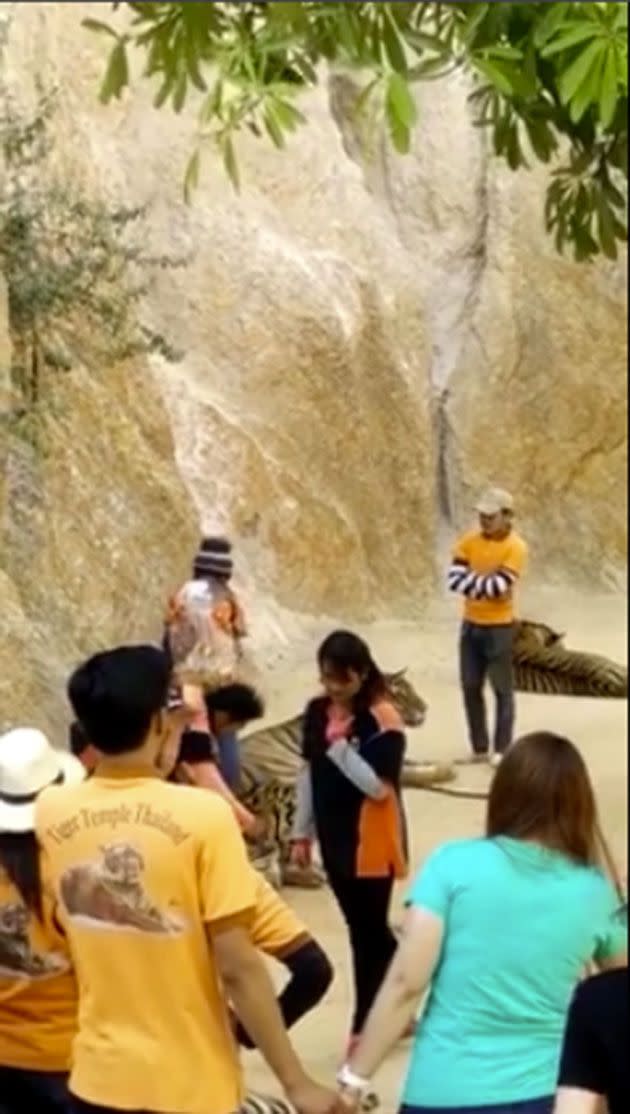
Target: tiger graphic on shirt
[110, 891]
[18, 957]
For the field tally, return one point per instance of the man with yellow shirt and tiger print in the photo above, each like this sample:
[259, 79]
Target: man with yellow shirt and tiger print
[485, 567]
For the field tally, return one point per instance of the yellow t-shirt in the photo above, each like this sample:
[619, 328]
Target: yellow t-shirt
[275, 930]
[485, 555]
[38, 991]
[141, 869]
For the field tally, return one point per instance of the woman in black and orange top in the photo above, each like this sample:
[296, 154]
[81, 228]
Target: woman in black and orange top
[353, 747]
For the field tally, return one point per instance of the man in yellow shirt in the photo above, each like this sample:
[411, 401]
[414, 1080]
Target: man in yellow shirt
[485, 568]
[155, 896]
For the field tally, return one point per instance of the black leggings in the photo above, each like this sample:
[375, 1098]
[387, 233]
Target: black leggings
[364, 903]
[42, 1091]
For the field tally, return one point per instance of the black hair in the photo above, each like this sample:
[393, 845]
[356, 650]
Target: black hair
[19, 857]
[343, 651]
[116, 694]
[77, 739]
[240, 702]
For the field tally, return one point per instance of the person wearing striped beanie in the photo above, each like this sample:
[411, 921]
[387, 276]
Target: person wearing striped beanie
[204, 629]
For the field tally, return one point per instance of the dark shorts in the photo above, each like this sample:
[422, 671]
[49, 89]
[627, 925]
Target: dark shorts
[23, 1092]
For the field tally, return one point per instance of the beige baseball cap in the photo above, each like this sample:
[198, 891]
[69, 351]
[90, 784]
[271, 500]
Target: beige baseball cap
[494, 500]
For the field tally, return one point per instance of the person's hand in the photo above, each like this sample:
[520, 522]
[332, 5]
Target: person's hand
[351, 1099]
[301, 853]
[311, 1098]
[257, 830]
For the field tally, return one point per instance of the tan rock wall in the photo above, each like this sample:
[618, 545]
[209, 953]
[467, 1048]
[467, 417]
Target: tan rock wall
[365, 342]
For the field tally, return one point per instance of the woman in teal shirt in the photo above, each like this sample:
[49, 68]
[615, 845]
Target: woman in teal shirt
[501, 929]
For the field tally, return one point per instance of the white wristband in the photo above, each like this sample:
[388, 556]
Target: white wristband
[347, 1078]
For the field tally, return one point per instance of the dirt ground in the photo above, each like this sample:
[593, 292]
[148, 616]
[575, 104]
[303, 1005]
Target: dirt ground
[599, 728]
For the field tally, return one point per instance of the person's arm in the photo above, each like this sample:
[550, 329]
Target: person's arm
[249, 988]
[493, 585]
[311, 975]
[206, 775]
[582, 1074]
[228, 887]
[380, 762]
[356, 769]
[410, 973]
[303, 821]
[611, 950]
[397, 1001]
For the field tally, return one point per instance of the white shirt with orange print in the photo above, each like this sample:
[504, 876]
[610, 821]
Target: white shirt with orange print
[38, 990]
[141, 869]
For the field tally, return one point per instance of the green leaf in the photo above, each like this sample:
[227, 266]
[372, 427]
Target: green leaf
[163, 92]
[572, 79]
[608, 91]
[428, 69]
[399, 101]
[550, 22]
[286, 12]
[588, 93]
[615, 196]
[99, 27]
[605, 228]
[191, 178]
[579, 33]
[288, 116]
[192, 65]
[400, 134]
[509, 53]
[514, 155]
[541, 138]
[230, 163]
[116, 75]
[179, 96]
[274, 130]
[495, 76]
[211, 107]
[475, 16]
[621, 17]
[393, 46]
[308, 72]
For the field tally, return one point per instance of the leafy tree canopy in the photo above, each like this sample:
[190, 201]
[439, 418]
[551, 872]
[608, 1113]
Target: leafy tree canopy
[550, 82]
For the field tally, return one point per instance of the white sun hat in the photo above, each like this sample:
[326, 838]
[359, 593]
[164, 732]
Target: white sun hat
[28, 765]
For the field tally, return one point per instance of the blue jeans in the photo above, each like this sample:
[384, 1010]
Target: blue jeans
[486, 652]
[530, 1106]
[229, 758]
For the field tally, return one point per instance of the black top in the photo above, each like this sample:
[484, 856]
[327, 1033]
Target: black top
[595, 1052]
[338, 805]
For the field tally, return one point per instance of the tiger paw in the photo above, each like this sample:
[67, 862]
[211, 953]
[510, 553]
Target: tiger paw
[303, 878]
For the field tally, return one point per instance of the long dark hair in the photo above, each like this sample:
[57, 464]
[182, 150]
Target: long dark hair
[542, 792]
[19, 857]
[344, 652]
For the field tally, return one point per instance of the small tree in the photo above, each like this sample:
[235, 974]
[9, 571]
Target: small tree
[74, 266]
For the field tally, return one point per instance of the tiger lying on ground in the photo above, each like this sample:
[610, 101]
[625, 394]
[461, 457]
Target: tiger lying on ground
[264, 1104]
[271, 757]
[543, 665]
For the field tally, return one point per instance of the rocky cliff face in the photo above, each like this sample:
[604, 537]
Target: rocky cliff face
[366, 341]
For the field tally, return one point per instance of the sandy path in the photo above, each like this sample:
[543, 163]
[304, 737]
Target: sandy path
[598, 727]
